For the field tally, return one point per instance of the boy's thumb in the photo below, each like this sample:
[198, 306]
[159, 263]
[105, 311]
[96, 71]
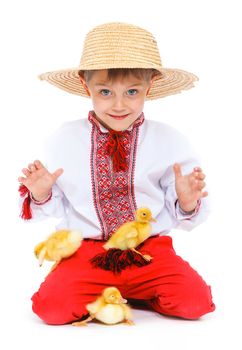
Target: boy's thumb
[177, 170]
[58, 173]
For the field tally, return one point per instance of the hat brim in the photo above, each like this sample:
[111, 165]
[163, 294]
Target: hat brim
[169, 82]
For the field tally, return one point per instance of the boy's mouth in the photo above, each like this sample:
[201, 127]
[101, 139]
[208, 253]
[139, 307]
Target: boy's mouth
[119, 117]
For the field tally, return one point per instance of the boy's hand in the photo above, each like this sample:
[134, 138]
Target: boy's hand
[39, 180]
[189, 187]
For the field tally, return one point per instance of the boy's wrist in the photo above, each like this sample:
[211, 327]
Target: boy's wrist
[188, 209]
[188, 213]
[40, 199]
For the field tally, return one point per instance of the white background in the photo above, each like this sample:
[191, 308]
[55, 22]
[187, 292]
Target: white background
[199, 36]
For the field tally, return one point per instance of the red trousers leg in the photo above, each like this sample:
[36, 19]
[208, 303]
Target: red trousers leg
[169, 285]
[74, 283]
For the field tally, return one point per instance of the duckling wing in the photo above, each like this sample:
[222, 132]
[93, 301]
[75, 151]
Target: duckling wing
[95, 306]
[125, 237]
[127, 312]
[132, 233]
[125, 231]
[61, 248]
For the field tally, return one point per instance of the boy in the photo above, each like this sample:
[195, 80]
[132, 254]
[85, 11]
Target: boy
[101, 169]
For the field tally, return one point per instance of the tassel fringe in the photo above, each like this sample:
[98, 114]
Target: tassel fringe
[26, 212]
[115, 148]
[116, 260]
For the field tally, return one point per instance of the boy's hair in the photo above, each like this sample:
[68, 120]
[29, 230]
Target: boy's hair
[114, 73]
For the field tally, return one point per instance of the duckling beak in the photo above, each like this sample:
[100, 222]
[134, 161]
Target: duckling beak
[154, 220]
[122, 301]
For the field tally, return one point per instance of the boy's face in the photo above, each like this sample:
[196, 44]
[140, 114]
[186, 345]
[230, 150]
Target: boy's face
[117, 104]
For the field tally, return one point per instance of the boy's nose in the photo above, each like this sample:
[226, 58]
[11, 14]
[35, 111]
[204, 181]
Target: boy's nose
[118, 105]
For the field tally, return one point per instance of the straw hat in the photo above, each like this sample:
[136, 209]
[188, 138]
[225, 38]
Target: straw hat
[122, 45]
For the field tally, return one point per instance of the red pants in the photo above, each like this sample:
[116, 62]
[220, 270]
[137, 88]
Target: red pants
[167, 285]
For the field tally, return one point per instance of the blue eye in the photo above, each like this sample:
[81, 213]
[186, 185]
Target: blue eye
[105, 92]
[132, 92]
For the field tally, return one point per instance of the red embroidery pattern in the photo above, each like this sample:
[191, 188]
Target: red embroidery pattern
[113, 192]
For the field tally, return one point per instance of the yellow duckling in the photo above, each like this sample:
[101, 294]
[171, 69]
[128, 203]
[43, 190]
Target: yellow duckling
[131, 234]
[109, 308]
[60, 244]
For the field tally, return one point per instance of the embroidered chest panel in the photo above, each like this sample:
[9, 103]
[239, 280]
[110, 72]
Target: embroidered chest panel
[113, 191]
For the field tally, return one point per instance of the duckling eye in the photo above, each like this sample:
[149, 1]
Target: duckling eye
[144, 214]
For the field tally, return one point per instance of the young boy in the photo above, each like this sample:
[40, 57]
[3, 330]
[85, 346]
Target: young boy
[99, 170]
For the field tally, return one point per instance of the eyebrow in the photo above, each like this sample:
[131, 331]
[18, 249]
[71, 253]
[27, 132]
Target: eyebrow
[105, 84]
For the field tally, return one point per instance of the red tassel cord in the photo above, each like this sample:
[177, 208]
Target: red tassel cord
[115, 148]
[116, 260]
[26, 212]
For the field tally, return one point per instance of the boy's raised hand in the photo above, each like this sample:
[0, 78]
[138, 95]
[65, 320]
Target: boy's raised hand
[39, 180]
[189, 187]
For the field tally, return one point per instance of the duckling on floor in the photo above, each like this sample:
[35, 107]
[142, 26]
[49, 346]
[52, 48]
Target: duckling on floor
[60, 244]
[109, 308]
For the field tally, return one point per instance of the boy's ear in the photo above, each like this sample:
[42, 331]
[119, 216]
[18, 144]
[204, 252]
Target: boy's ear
[84, 85]
[150, 84]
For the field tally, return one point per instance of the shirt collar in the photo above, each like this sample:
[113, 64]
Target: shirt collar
[91, 117]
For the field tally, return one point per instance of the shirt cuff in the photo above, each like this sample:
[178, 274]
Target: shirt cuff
[182, 215]
[40, 202]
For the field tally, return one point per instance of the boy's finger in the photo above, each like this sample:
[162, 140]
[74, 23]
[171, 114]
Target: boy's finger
[177, 170]
[204, 194]
[21, 179]
[31, 167]
[201, 185]
[57, 173]
[200, 176]
[26, 172]
[38, 164]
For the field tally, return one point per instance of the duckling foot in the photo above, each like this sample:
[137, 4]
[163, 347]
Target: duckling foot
[82, 323]
[129, 322]
[147, 257]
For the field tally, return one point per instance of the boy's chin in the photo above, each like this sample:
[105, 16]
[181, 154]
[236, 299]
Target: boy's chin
[120, 127]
